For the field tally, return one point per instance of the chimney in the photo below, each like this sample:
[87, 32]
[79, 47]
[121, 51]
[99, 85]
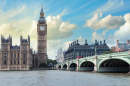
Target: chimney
[117, 41]
[95, 41]
[75, 42]
[100, 42]
[86, 42]
[104, 42]
[128, 41]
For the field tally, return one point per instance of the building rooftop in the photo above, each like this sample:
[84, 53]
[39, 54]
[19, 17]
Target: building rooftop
[96, 45]
[124, 45]
[24, 41]
[15, 47]
[5, 40]
[42, 19]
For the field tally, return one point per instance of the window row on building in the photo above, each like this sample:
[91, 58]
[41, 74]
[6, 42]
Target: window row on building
[75, 50]
[14, 62]
[14, 55]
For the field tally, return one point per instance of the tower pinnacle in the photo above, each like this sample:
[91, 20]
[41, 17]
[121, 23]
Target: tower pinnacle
[42, 9]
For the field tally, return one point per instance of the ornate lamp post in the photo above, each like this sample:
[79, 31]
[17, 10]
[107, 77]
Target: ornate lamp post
[95, 51]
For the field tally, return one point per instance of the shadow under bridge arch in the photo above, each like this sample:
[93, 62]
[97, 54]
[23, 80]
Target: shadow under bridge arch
[73, 66]
[114, 65]
[59, 67]
[64, 67]
[87, 66]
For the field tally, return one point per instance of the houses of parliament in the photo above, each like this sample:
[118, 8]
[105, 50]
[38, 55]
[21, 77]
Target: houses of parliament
[22, 57]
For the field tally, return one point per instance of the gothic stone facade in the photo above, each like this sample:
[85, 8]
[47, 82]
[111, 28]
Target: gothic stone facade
[22, 57]
[42, 39]
[15, 57]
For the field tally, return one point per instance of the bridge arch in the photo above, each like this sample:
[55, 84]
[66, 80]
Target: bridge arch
[64, 66]
[114, 65]
[86, 66]
[59, 67]
[85, 61]
[73, 66]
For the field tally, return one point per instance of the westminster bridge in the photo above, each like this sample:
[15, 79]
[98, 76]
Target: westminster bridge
[113, 62]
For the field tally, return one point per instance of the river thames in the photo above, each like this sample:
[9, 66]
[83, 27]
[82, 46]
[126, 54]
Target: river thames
[62, 78]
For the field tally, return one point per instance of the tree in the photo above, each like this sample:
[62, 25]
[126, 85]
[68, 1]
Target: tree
[107, 52]
[43, 65]
[51, 61]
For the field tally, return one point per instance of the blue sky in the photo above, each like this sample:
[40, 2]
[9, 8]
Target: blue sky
[67, 21]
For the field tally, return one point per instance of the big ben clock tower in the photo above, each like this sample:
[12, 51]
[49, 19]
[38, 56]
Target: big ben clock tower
[42, 39]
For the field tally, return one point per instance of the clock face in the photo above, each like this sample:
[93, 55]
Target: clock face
[41, 28]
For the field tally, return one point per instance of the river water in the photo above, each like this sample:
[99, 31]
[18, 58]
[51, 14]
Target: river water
[62, 78]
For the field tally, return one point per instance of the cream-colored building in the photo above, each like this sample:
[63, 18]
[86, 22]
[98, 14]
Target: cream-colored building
[15, 57]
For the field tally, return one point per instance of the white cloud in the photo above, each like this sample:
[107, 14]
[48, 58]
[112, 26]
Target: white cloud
[93, 20]
[99, 37]
[66, 45]
[81, 40]
[108, 22]
[110, 5]
[64, 12]
[58, 29]
[127, 17]
[52, 48]
[11, 13]
[122, 34]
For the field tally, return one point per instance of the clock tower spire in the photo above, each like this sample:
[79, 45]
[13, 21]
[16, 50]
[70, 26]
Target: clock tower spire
[42, 9]
[42, 38]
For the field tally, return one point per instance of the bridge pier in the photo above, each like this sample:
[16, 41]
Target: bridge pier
[67, 65]
[95, 65]
[77, 68]
[129, 71]
[61, 66]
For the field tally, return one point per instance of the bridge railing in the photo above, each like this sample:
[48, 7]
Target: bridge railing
[103, 55]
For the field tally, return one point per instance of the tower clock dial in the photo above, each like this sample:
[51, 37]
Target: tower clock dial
[41, 28]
